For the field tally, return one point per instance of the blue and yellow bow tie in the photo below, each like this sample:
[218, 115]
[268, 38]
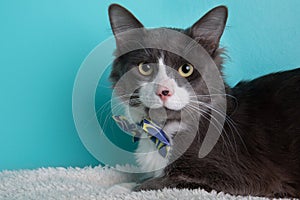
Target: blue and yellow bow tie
[155, 133]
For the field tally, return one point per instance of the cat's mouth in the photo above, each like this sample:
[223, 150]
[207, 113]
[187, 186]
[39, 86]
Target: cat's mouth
[134, 99]
[163, 114]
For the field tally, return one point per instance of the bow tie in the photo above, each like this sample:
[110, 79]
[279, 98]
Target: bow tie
[154, 132]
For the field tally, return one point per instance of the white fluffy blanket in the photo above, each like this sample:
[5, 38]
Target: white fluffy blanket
[88, 183]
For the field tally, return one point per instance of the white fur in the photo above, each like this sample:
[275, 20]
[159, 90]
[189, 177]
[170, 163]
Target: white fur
[172, 128]
[136, 114]
[177, 101]
[147, 156]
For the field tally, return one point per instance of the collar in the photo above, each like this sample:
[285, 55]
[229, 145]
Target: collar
[154, 132]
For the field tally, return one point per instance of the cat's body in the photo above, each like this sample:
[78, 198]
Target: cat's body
[266, 162]
[258, 152]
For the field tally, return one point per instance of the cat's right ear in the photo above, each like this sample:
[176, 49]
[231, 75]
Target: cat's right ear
[209, 29]
[122, 20]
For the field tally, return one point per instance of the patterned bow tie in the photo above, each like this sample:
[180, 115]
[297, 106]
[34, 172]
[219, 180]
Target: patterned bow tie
[155, 133]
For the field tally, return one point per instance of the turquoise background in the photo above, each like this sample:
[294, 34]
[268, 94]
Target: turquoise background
[43, 43]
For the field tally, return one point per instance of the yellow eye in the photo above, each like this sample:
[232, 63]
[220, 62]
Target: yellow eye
[186, 70]
[145, 69]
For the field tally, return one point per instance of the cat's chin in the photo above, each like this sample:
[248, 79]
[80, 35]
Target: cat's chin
[162, 113]
[160, 107]
[165, 107]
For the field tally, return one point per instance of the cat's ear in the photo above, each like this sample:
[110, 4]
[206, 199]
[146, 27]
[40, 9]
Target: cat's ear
[122, 20]
[209, 29]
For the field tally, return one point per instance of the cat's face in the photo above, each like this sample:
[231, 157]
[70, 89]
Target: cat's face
[154, 79]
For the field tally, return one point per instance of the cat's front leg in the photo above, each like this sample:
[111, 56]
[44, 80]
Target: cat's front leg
[171, 182]
[156, 184]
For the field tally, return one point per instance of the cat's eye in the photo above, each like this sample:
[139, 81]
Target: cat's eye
[186, 70]
[145, 69]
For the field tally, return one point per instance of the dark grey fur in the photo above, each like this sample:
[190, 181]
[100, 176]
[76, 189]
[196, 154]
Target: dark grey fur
[259, 153]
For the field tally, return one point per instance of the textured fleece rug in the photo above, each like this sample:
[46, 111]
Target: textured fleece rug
[89, 183]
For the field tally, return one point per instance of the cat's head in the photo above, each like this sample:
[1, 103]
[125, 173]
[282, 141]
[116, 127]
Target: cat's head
[158, 78]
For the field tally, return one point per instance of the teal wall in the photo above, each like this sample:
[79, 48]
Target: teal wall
[43, 43]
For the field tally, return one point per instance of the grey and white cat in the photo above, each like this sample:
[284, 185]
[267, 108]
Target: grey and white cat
[248, 157]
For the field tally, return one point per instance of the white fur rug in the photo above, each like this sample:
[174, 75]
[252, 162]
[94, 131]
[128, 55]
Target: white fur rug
[88, 183]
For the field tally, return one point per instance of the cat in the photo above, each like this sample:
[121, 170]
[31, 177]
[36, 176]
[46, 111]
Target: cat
[258, 152]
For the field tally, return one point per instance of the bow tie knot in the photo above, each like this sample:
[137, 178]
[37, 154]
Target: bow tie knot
[154, 132]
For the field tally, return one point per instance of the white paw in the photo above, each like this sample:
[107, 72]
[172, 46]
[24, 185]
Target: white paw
[121, 188]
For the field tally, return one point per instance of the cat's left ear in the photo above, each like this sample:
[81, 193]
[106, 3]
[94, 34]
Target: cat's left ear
[209, 29]
[122, 20]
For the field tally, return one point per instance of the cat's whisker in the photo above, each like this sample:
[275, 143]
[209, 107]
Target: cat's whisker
[218, 128]
[231, 124]
[212, 95]
[108, 112]
[107, 103]
[104, 86]
[195, 108]
[202, 115]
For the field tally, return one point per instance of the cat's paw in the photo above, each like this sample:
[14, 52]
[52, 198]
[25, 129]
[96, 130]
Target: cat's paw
[153, 184]
[139, 188]
[122, 188]
[143, 187]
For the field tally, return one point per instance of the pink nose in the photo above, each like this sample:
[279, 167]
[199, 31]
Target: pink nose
[164, 93]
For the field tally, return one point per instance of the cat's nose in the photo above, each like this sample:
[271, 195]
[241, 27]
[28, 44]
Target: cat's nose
[164, 93]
